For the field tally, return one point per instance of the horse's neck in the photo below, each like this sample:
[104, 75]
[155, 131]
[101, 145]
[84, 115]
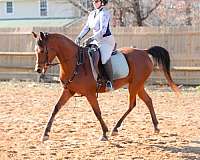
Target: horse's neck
[66, 52]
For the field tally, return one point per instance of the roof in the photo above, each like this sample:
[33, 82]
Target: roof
[15, 0]
[54, 22]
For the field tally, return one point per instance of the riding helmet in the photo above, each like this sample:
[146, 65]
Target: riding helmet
[104, 1]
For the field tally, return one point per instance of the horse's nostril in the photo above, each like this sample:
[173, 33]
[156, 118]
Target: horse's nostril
[38, 70]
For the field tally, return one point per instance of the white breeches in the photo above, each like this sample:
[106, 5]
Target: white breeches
[106, 46]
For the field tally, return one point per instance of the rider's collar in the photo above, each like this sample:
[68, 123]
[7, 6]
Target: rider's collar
[99, 9]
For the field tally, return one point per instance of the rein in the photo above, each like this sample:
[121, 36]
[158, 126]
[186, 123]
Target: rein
[47, 52]
[79, 62]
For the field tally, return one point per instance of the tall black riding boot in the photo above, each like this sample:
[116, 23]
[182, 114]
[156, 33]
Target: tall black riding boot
[109, 73]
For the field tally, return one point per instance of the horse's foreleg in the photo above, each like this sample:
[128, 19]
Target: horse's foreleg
[95, 106]
[65, 96]
[132, 104]
[148, 101]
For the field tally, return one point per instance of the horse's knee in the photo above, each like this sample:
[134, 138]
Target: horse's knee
[132, 103]
[147, 100]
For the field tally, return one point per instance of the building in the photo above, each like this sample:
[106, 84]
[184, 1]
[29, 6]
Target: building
[37, 12]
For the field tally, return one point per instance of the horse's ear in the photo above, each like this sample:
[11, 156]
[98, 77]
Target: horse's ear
[42, 35]
[34, 34]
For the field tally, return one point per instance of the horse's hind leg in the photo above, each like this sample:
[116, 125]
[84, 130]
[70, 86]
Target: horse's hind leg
[66, 94]
[95, 106]
[132, 103]
[148, 101]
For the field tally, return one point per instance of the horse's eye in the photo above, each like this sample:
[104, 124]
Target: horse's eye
[39, 50]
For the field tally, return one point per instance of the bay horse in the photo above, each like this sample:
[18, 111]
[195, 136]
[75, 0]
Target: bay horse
[79, 78]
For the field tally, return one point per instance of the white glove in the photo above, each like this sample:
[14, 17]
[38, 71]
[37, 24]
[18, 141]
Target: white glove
[89, 40]
[78, 41]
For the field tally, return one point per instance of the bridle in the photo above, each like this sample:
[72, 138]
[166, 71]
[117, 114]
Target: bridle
[46, 63]
[46, 52]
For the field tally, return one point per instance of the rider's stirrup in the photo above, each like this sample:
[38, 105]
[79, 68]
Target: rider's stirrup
[109, 86]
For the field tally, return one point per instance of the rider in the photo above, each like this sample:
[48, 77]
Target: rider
[99, 20]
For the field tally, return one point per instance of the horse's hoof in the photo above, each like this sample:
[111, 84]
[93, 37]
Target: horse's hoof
[114, 133]
[103, 138]
[45, 138]
[157, 131]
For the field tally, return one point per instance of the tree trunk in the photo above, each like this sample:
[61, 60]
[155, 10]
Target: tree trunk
[188, 14]
[137, 10]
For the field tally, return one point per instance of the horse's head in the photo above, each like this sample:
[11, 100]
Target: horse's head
[44, 55]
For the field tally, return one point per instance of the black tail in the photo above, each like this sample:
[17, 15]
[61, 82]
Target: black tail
[161, 56]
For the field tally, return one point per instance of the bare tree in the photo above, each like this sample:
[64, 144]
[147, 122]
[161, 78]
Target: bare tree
[81, 5]
[138, 10]
[188, 12]
[123, 10]
[176, 13]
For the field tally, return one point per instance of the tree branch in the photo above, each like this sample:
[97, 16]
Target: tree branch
[151, 10]
[79, 6]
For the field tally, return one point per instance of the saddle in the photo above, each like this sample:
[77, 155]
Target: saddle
[118, 60]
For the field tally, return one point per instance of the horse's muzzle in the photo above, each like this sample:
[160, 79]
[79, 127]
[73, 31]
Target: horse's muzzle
[38, 69]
